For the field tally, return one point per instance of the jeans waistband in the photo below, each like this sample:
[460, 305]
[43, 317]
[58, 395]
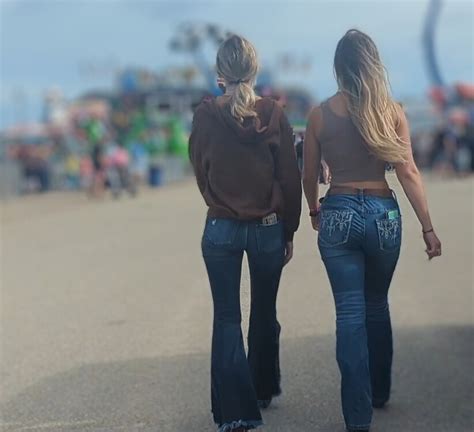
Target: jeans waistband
[270, 219]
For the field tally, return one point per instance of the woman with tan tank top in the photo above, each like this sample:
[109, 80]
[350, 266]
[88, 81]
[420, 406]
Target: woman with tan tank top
[357, 132]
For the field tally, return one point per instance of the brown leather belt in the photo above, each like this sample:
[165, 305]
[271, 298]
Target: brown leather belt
[347, 190]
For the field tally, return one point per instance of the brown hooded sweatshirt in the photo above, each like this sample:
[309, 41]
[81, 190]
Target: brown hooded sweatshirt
[246, 170]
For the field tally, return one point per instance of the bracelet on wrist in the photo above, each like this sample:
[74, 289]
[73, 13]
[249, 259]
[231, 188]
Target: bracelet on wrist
[427, 231]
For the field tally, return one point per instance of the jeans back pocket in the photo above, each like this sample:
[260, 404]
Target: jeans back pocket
[390, 233]
[220, 232]
[270, 238]
[334, 227]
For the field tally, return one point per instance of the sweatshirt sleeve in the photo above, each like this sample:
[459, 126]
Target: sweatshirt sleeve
[197, 140]
[288, 175]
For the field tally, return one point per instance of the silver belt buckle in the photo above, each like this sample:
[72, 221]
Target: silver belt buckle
[271, 219]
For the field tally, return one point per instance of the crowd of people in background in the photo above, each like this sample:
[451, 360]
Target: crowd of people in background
[97, 155]
[448, 150]
[130, 148]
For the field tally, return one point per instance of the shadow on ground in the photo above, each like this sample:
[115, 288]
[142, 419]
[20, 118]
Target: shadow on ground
[433, 391]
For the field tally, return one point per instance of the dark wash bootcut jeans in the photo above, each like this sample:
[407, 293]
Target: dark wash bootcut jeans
[239, 381]
[359, 241]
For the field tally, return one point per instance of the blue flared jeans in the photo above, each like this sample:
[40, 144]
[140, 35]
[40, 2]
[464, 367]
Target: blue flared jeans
[239, 381]
[359, 241]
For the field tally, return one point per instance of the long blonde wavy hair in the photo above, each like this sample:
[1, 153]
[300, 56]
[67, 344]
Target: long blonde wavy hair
[362, 77]
[237, 64]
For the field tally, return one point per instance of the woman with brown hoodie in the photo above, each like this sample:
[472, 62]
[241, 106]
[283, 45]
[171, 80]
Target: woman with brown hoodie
[241, 148]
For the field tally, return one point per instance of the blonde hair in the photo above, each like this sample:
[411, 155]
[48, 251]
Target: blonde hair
[362, 77]
[237, 63]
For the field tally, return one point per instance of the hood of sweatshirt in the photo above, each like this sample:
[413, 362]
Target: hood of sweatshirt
[251, 130]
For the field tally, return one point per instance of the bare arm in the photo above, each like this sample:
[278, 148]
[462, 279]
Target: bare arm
[412, 184]
[326, 172]
[312, 160]
[410, 178]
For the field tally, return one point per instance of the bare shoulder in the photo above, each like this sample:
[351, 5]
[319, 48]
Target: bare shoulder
[316, 114]
[401, 118]
[315, 119]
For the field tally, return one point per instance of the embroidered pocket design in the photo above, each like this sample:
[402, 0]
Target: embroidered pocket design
[390, 233]
[335, 227]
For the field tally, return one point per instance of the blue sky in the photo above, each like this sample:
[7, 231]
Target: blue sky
[48, 42]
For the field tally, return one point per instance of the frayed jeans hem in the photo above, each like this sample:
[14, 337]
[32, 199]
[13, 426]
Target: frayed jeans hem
[249, 424]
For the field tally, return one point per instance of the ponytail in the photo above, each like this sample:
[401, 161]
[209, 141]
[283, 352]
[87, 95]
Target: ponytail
[237, 63]
[242, 101]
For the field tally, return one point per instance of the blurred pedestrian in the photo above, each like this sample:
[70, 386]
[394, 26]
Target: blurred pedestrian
[72, 165]
[445, 149]
[35, 167]
[243, 155]
[139, 162]
[299, 149]
[118, 170]
[98, 170]
[357, 131]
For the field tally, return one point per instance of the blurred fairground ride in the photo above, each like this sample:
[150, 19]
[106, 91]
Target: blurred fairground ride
[455, 101]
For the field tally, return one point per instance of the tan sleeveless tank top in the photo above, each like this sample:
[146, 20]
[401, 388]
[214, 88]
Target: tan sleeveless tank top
[345, 151]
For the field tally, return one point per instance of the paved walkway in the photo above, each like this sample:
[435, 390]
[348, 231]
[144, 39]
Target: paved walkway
[106, 319]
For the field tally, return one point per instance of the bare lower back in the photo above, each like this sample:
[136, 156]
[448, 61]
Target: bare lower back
[365, 184]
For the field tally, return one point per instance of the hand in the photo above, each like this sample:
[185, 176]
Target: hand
[433, 244]
[315, 222]
[326, 173]
[288, 253]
